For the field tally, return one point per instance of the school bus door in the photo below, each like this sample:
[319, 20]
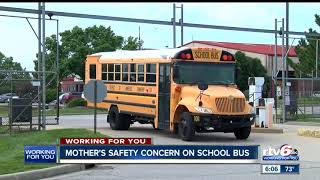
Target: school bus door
[164, 97]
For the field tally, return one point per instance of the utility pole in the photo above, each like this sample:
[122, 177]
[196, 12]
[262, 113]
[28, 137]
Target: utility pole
[139, 40]
[174, 25]
[181, 23]
[39, 66]
[283, 75]
[275, 74]
[287, 38]
[43, 66]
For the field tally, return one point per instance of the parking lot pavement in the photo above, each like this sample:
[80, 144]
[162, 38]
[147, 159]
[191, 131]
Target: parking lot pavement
[307, 147]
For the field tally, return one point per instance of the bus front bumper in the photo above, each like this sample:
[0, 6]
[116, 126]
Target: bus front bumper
[222, 123]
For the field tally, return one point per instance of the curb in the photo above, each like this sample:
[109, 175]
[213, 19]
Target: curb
[303, 123]
[46, 172]
[309, 132]
[267, 130]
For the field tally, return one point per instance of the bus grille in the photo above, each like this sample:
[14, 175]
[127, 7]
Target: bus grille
[227, 105]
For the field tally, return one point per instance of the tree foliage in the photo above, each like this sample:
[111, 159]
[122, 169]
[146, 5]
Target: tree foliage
[306, 52]
[250, 67]
[19, 86]
[77, 43]
[7, 63]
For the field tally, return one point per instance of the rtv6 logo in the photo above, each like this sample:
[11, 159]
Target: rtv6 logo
[285, 152]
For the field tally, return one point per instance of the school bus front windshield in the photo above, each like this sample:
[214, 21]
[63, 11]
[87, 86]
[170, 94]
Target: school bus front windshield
[209, 73]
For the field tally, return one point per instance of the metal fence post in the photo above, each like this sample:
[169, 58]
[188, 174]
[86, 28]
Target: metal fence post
[95, 107]
[276, 70]
[174, 25]
[10, 104]
[283, 76]
[58, 71]
[317, 49]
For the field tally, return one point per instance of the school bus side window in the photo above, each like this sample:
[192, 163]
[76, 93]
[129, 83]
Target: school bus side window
[125, 72]
[140, 72]
[133, 74]
[104, 71]
[92, 71]
[110, 72]
[151, 73]
[117, 72]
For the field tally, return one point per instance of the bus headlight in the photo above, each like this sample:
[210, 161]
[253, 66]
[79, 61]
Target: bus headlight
[203, 109]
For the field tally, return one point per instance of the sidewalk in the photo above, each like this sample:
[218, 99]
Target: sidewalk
[293, 127]
[303, 123]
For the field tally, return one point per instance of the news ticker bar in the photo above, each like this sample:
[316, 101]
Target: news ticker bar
[105, 141]
[136, 150]
[157, 161]
[280, 168]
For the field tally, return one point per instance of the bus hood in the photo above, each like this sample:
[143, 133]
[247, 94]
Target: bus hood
[220, 99]
[213, 91]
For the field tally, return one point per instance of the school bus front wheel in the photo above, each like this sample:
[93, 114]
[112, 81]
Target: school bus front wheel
[187, 127]
[242, 133]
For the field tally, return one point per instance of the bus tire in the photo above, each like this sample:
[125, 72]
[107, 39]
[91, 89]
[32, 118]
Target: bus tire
[125, 121]
[242, 133]
[114, 118]
[187, 127]
[118, 121]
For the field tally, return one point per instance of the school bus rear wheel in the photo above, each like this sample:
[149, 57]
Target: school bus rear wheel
[187, 127]
[118, 121]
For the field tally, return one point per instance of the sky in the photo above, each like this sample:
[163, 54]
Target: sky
[18, 40]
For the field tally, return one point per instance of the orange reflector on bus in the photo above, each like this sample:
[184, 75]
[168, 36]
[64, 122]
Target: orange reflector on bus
[188, 56]
[225, 57]
[183, 56]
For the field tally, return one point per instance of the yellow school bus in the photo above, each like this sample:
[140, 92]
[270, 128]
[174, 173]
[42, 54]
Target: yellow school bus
[184, 90]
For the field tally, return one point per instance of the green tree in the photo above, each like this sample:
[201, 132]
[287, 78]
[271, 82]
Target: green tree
[306, 52]
[77, 43]
[250, 67]
[131, 43]
[7, 63]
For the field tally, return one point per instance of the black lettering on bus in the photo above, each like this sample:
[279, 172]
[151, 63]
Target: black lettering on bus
[112, 87]
[128, 88]
[140, 89]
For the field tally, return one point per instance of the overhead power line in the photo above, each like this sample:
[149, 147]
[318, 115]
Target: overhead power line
[149, 21]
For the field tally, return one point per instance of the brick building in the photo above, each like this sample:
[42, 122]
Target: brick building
[72, 83]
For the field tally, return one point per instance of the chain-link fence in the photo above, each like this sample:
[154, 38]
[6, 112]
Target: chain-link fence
[302, 101]
[21, 98]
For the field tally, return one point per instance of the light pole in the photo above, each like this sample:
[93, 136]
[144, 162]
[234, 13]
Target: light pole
[139, 40]
[283, 75]
[275, 69]
[174, 24]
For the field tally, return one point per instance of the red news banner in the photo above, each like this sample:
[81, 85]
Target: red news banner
[105, 141]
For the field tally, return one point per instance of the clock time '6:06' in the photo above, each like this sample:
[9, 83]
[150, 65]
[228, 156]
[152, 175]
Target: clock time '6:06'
[270, 169]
